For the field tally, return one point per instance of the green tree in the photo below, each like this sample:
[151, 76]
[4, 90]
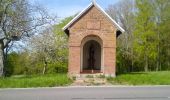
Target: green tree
[145, 44]
[49, 49]
[18, 19]
[162, 20]
[43, 49]
[62, 43]
[17, 63]
[144, 35]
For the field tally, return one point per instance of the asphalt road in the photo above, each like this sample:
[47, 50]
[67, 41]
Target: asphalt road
[88, 93]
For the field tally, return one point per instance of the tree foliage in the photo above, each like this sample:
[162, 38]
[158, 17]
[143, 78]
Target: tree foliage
[145, 41]
[18, 19]
[46, 52]
[145, 44]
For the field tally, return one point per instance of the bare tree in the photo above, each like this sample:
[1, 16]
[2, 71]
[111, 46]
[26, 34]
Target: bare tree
[124, 13]
[18, 19]
[43, 48]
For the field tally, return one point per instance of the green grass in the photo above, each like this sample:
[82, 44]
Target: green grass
[142, 78]
[35, 81]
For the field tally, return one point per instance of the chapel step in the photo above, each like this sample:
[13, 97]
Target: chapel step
[90, 80]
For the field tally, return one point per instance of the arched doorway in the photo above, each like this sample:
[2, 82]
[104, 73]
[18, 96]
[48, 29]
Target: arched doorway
[91, 55]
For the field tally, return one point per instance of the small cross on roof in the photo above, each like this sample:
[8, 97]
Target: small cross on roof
[94, 1]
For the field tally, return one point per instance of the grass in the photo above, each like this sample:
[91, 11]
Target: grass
[35, 81]
[142, 78]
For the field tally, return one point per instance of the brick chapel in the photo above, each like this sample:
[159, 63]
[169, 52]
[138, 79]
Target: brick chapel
[92, 42]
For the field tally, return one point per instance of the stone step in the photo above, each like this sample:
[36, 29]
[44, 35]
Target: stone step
[99, 75]
[90, 81]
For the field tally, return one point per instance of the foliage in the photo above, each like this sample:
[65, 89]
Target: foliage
[144, 35]
[15, 64]
[43, 49]
[35, 81]
[18, 19]
[142, 78]
[162, 20]
[47, 53]
[123, 12]
[145, 45]
[57, 67]
[62, 44]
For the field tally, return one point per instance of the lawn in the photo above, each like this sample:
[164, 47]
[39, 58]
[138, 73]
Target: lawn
[35, 81]
[142, 78]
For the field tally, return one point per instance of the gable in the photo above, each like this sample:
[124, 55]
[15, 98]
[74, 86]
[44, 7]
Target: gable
[93, 11]
[93, 19]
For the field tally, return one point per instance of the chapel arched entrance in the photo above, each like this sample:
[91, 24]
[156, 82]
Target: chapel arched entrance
[91, 55]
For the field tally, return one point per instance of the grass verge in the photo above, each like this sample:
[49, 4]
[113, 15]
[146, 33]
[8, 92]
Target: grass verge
[35, 81]
[142, 78]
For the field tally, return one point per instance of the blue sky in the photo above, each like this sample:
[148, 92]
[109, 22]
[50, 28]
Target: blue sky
[65, 8]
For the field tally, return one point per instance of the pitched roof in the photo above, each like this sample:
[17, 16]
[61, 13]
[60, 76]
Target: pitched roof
[100, 9]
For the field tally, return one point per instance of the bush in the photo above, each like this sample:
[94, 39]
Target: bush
[57, 68]
[18, 64]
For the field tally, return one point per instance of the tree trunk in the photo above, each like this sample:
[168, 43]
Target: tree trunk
[158, 52]
[132, 59]
[45, 67]
[1, 59]
[168, 61]
[146, 63]
[158, 61]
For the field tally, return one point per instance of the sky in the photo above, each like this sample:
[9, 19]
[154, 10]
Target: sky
[65, 8]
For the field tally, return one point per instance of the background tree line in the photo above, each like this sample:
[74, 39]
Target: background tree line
[145, 45]
[45, 53]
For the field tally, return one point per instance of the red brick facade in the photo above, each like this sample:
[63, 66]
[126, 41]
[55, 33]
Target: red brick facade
[93, 23]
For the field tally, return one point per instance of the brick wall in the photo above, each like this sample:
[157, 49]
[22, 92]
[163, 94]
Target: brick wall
[94, 22]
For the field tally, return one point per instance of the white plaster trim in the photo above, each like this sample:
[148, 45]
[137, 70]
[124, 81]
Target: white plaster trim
[85, 10]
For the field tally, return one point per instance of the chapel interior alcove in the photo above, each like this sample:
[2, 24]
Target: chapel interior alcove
[92, 55]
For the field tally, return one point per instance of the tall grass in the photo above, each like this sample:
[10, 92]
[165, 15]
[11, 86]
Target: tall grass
[150, 78]
[35, 81]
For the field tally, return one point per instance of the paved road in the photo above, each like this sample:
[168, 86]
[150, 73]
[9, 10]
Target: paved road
[88, 93]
